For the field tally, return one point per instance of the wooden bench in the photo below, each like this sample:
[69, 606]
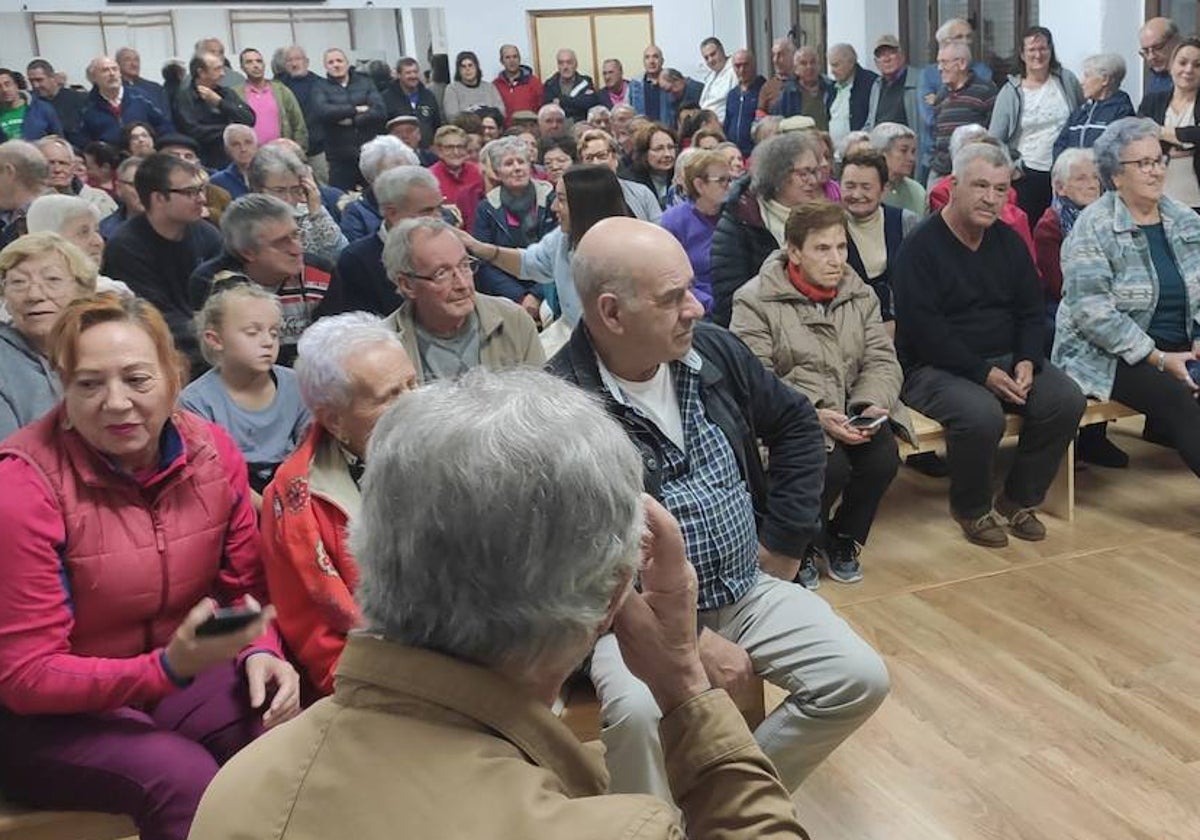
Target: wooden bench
[1060, 498]
[19, 823]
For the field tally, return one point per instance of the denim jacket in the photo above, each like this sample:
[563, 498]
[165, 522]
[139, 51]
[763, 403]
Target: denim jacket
[1110, 289]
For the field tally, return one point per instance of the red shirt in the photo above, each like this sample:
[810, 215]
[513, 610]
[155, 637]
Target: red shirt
[463, 190]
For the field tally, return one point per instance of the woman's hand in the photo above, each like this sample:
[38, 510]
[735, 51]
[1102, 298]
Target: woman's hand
[312, 193]
[188, 655]
[834, 424]
[264, 669]
[1176, 365]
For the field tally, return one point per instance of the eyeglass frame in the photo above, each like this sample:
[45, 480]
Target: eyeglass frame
[193, 192]
[1160, 47]
[1146, 165]
[466, 265]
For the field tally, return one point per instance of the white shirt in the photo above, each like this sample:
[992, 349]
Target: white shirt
[655, 399]
[839, 111]
[716, 88]
[1044, 112]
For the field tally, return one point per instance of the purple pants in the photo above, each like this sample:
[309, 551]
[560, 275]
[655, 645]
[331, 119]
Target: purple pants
[153, 766]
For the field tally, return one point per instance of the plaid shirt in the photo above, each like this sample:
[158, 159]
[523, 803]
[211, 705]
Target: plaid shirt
[705, 491]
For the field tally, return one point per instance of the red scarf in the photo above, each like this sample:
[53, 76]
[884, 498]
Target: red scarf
[819, 294]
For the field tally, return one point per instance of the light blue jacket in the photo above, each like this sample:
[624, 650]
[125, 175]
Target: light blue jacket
[548, 261]
[1110, 289]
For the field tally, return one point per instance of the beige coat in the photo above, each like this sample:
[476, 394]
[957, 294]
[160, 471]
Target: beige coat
[414, 744]
[508, 337]
[838, 355]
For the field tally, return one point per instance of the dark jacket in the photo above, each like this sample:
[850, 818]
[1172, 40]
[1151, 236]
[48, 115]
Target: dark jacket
[791, 99]
[1154, 105]
[302, 88]
[40, 119]
[491, 226]
[740, 107]
[893, 235]
[668, 105]
[398, 104]
[98, 122]
[362, 217]
[860, 96]
[740, 244]
[206, 123]
[153, 91]
[68, 104]
[750, 404]
[1088, 121]
[576, 101]
[362, 283]
[332, 103]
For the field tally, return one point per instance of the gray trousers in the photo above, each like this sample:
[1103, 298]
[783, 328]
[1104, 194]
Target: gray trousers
[833, 678]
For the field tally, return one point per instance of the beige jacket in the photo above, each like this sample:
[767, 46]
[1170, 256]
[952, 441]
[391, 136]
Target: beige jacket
[838, 355]
[414, 744]
[508, 337]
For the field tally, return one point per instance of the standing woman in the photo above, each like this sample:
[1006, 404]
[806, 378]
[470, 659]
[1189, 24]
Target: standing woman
[706, 179]
[1175, 111]
[468, 91]
[1030, 112]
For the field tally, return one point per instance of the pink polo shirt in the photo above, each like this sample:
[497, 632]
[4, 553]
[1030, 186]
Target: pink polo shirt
[266, 112]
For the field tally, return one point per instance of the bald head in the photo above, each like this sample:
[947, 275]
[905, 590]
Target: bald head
[1158, 38]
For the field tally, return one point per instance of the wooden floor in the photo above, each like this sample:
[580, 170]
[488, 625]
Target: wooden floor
[1047, 691]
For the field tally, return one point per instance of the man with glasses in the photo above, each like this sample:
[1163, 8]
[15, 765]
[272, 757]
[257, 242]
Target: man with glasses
[155, 253]
[964, 99]
[444, 324]
[599, 147]
[954, 30]
[1158, 38]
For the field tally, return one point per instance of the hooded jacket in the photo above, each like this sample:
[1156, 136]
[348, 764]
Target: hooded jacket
[523, 93]
[29, 387]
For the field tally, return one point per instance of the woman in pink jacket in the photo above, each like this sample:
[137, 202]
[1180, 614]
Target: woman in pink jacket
[126, 524]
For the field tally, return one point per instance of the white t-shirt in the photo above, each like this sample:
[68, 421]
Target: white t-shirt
[655, 399]
[1044, 112]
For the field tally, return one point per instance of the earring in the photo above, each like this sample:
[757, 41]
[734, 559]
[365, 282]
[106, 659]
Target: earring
[67, 425]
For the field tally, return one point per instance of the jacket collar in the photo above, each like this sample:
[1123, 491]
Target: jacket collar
[483, 696]
[585, 364]
[328, 475]
[542, 190]
[776, 286]
[404, 319]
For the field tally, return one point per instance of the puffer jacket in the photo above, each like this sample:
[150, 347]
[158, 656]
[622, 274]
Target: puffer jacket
[838, 355]
[101, 567]
[492, 226]
[361, 217]
[29, 387]
[740, 244]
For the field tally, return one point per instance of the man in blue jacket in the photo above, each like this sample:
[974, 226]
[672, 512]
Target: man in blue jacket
[677, 91]
[742, 102]
[22, 115]
[113, 104]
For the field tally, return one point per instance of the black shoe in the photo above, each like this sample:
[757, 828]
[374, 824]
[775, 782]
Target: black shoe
[928, 463]
[1155, 432]
[808, 576]
[1095, 448]
[843, 560]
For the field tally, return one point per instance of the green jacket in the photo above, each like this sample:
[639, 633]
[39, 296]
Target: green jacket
[291, 118]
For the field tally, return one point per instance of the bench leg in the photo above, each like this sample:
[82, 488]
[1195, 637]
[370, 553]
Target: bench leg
[1060, 497]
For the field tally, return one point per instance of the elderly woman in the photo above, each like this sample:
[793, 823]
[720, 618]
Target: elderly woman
[811, 320]
[469, 91]
[40, 274]
[706, 180]
[783, 173]
[1076, 185]
[1126, 327]
[515, 214]
[1175, 110]
[461, 181]
[277, 172]
[350, 369]
[654, 150]
[362, 216]
[733, 156]
[128, 522]
[1103, 102]
[63, 179]
[77, 222]
[1031, 110]
[898, 143]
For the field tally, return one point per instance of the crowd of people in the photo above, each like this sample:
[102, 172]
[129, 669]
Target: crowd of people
[273, 427]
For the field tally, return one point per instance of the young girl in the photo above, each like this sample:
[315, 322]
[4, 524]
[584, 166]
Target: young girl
[254, 399]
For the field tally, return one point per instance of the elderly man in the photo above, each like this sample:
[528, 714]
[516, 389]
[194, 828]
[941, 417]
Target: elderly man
[229, 77]
[519, 86]
[783, 55]
[362, 217]
[953, 31]
[447, 328]
[1157, 40]
[970, 332]
[571, 90]
[679, 385]
[23, 116]
[600, 147]
[203, 107]
[276, 111]
[741, 104]
[652, 65]
[407, 96]
[67, 103]
[113, 104]
[350, 112]
[894, 92]
[677, 91]
[551, 120]
[851, 99]
[241, 144]
[720, 78]
[302, 82]
[965, 99]
[621, 91]
[23, 176]
[130, 62]
[262, 244]
[452, 685]
[407, 129]
[809, 93]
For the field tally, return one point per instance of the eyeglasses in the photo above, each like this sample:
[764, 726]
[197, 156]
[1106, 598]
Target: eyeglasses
[464, 268]
[50, 285]
[723, 180]
[452, 147]
[193, 192]
[597, 157]
[284, 241]
[297, 192]
[807, 173]
[1147, 165]
[1160, 47]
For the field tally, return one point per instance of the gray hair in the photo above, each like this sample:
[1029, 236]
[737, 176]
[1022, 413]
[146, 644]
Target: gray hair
[129, 164]
[326, 346]
[272, 160]
[964, 135]
[622, 107]
[551, 108]
[957, 49]
[382, 153]
[843, 48]
[887, 133]
[525, 592]
[236, 128]
[242, 220]
[1109, 147]
[968, 154]
[1109, 65]
[398, 249]
[1060, 173]
[500, 148]
[786, 42]
[598, 111]
[768, 123]
[773, 160]
[393, 186]
[681, 162]
[670, 74]
[943, 31]
[851, 139]
[53, 212]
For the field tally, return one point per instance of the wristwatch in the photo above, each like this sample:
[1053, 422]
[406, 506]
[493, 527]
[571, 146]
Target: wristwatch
[1162, 361]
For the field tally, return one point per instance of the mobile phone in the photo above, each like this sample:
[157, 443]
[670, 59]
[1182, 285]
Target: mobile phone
[863, 423]
[228, 620]
[1193, 369]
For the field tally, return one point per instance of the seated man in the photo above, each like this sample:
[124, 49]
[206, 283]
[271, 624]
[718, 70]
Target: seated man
[439, 725]
[447, 328]
[970, 332]
[696, 401]
[241, 144]
[262, 243]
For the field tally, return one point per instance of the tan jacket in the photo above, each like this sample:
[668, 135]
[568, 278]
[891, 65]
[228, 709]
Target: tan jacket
[508, 337]
[414, 744]
[838, 355]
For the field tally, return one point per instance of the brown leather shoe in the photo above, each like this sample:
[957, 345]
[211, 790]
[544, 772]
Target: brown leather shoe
[984, 531]
[1022, 522]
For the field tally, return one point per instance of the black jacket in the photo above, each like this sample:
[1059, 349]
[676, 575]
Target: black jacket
[206, 123]
[576, 101]
[333, 103]
[740, 244]
[1154, 106]
[750, 404]
[397, 104]
[362, 282]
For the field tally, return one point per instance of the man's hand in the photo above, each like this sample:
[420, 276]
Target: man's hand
[656, 628]
[1023, 376]
[777, 565]
[534, 307]
[1004, 387]
[728, 665]
[209, 95]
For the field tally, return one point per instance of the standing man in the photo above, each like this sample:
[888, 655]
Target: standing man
[677, 91]
[894, 91]
[112, 104]
[520, 89]
[809, 93]
[571, 90]
[742, 102]
[67, 103]
[229, 76]
[203, 107]
[851, 92]
[955, 30]
[652, 64]
[130, 63]
[621, 91]
[407, 96]
[24, 116]
[783, 57]
[720, 79]
[1158, 38]
[302, 82]
[350, 112]
[276, 111]
[964, 99]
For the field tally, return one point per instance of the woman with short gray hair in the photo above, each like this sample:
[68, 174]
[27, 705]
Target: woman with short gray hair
[362, 217]
[899, 146]
[1104, 103]
[276, 171]
[78, 222]
[349, 370]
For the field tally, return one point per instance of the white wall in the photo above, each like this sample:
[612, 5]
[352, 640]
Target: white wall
[859, 22]
[1085, 27]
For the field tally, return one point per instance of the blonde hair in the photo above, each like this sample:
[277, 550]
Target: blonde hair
[36, 244]
[697, 167]
[212, 315]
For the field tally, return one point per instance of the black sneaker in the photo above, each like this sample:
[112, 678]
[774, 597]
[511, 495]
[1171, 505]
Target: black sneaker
[1095, 448]
[928, 463]
[808, 576]
[842, 553]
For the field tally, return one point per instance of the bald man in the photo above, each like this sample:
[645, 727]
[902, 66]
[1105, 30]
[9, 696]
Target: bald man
[112, 104]
[695, 401]
[1157, 40]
